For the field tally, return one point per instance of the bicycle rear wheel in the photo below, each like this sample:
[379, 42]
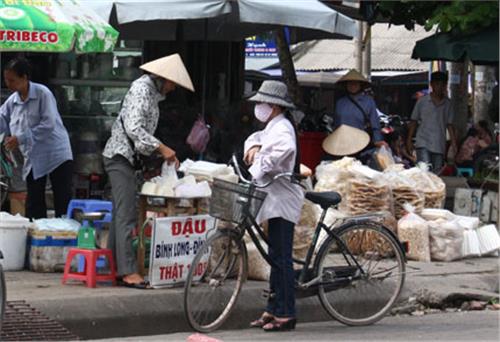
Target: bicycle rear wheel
[360, 295]
[214, 281]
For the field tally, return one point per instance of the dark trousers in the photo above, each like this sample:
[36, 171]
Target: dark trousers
[61, 180]
[282, 280]
[123, 190]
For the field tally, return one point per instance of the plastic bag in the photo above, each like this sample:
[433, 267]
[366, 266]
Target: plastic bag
[199, 136]
[384, 158]
[415, 230]
[404, 191]
[446, 240]
[433, 187]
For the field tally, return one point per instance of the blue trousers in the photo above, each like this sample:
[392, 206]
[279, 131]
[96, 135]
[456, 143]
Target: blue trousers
[435, 160]
[282, 280]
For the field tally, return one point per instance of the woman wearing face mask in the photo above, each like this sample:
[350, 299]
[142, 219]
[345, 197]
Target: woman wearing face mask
[269, 152]
[132, 133]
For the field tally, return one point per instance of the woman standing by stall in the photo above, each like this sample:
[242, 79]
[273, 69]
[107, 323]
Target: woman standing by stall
[269, 152]
[132, 133]
[358, 110]
[31, 118]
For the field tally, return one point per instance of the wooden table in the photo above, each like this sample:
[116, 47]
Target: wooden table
[165, 205]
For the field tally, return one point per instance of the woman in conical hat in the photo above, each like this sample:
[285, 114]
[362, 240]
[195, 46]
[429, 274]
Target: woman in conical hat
[131, 135]
[357, 109]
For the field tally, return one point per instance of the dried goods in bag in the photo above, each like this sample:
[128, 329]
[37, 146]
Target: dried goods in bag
[415, 230]
[404, 191]
[446, 240]
[433, 187]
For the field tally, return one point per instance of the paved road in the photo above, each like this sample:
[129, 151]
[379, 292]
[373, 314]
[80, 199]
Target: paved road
[460, 326]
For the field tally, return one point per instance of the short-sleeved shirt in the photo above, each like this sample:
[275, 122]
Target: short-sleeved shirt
[432, 122]
[43, 139]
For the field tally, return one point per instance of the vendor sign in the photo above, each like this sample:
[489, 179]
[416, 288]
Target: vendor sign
[175, 242]
[53, 26]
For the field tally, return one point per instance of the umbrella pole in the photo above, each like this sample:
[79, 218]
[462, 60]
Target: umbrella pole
[204, 76]
[205, 65]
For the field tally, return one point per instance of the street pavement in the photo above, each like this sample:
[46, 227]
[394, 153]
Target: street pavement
[107, 312]
[460, 326]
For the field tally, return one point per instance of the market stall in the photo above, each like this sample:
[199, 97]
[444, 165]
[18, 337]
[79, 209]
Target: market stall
[415, 198]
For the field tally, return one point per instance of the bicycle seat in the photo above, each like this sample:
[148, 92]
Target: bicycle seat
[325, 199]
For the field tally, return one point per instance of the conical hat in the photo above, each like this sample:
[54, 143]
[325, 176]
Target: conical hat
[345, 140]
[170, 68]
[353, 75]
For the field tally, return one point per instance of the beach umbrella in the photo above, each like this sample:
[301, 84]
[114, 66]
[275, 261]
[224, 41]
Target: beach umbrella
[53, 26]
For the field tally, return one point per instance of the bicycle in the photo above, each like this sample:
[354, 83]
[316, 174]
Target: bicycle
[356, 267]
[3, 192]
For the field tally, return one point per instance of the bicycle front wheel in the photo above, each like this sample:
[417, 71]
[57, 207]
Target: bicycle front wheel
[363, 272]
[2, 296]
[214, 281]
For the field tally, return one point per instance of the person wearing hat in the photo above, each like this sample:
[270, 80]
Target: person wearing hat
[433, 114]
[269, 152]
[131, 134]
[357, 109]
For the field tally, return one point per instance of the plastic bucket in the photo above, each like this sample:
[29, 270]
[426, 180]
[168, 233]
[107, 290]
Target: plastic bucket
[13, 237]
[311, 151]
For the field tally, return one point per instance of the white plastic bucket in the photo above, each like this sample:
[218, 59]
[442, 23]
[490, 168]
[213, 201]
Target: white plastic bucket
[13, 235]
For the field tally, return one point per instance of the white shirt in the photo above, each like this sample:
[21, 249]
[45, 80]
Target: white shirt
[277, 154]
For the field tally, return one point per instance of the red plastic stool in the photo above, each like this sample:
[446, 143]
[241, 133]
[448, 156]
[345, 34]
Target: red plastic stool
[90, 275]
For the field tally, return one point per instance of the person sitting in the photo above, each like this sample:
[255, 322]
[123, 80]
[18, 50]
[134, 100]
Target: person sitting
[478, 138]
[397, 144]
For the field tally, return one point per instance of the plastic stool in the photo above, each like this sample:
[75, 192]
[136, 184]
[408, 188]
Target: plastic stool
[465, 171]
[90, 276]
[88, 206]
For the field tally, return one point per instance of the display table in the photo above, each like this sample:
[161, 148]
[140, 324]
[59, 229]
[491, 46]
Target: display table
[169, 206]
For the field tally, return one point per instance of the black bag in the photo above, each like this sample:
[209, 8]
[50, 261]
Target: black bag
[368, 124]
[146, 164]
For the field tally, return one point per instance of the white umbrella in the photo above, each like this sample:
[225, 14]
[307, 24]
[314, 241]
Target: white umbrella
[223, 20]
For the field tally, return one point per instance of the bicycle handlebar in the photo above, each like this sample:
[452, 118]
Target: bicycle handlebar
[294, 178]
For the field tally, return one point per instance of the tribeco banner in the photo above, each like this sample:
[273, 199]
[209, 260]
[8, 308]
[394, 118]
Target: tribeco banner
[53, 26]
[175, 242]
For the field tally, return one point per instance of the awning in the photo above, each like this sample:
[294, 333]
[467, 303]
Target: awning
[53, 26]
[480, 47]
[222, 20]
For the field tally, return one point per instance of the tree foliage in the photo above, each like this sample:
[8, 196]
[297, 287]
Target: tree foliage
[465, 16]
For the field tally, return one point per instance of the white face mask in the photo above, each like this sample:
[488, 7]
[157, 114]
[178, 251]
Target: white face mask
[263, 111]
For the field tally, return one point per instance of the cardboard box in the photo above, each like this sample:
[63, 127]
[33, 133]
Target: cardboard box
[468, 202]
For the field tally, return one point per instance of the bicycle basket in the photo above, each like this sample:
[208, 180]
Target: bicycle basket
[228, 200]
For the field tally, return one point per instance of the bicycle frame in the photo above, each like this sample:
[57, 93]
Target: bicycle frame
[250, 224]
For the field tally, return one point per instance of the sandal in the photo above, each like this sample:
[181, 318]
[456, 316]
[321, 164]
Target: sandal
[263, 320]
[280, 325]
[141, 286]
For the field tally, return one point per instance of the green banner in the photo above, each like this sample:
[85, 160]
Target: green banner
[53, 26]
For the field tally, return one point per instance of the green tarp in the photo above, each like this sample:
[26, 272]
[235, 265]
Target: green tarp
[480, 47]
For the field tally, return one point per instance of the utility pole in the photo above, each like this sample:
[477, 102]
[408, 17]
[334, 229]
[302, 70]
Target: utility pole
[367, 51]
[359, 48]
